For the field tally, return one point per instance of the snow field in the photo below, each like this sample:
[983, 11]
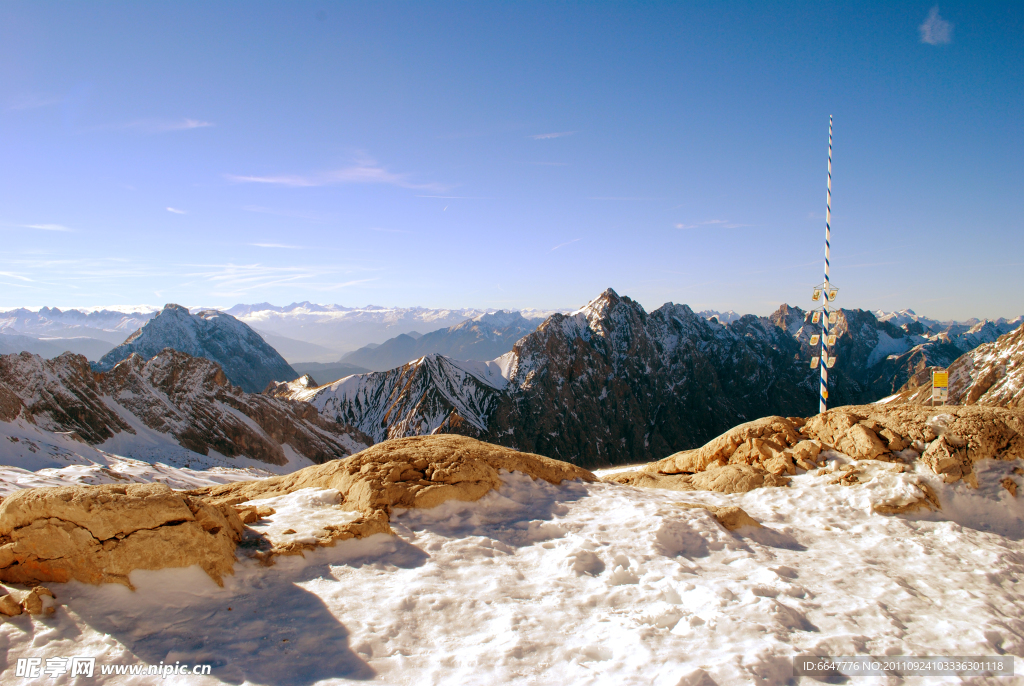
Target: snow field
[582, 584]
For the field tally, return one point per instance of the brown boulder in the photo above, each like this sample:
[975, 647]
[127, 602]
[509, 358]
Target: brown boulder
[744, 444]
[418, 471]
[730, 517]
[946, 460]
[98, 534]
[735, 478]
[861, 443]
[9, 606]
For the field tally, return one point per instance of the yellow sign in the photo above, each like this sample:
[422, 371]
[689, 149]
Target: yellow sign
[831, 317]
[832, 294]
[817, 294]
[940, 379]
[832, 339]
[814, 363]
[816, 317]
[814, 339]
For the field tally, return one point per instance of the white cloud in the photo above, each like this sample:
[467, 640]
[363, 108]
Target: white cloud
[547, 136]
[562, 245]
[176, 211]
[935, 30]
[364, 171]
[166, 125]
[721, 223]
[47, 227]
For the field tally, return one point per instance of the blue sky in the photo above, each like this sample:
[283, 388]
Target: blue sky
[512, 154]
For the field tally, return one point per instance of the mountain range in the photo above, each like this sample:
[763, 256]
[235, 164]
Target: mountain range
[611, 383]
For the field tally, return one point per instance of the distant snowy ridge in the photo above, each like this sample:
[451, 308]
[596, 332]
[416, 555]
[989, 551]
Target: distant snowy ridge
[249, 361]
[484, 337]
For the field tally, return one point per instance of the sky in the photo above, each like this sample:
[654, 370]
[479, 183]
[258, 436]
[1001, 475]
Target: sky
[513, 154]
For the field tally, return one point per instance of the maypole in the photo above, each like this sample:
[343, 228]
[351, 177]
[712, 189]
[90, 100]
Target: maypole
[826, 292]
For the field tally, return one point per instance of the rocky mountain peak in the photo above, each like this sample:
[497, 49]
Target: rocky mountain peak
[247, 360]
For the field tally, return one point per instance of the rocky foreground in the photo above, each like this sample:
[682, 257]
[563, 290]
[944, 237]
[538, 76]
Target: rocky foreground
[97, 534]
[866, 530]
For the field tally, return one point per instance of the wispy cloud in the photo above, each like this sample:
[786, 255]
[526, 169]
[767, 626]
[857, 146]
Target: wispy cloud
[12, 275]
[546, 136]
[175, 210]
[935, 30]
[276, 245]
[720, 223]
[32, 101]
[229, 280]
[47, 227]
[165, 125]
[562, 245]
[364, 171]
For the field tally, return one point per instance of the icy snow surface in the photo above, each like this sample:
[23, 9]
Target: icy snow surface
[581, 584]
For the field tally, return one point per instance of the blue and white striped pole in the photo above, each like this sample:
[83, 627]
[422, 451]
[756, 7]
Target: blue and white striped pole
[823, 406]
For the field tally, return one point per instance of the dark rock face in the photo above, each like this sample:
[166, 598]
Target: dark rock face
[613, 384]
[483, 338]
[247, 360]
[187, 397]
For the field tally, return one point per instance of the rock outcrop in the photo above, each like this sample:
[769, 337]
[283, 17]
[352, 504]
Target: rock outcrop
[98, 534]
[948, 440]
[185, 397]
[421, 471]
[247, 360]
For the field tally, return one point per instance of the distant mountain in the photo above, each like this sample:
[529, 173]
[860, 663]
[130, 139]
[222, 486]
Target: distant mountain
[482, 338]
[91, 348]
[990, 374]
[722, 317]
[171, 407]
[111, 326]
[325, 373]
[343, 329]
[248, 361]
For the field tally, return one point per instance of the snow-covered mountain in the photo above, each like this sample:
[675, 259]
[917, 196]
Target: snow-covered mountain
[611, 383]
[990, 374]
[248, 361]
[173, 408]
[608, 383]
[112, 326]
[481, 338]
[343, 329]
[722, 317]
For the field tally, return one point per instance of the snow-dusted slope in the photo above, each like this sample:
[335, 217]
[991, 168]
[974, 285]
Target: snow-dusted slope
[430, 394]
[482, 338]
[248, 361]
[991, 374]
[172, 408]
